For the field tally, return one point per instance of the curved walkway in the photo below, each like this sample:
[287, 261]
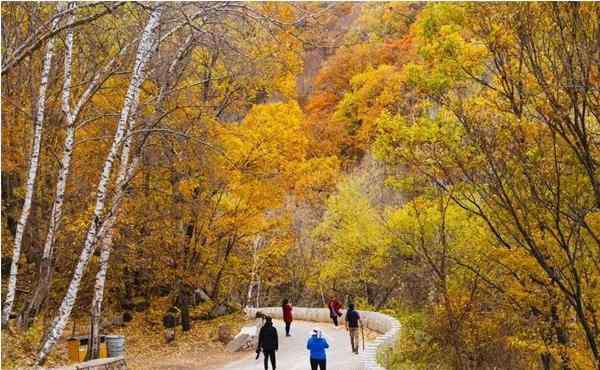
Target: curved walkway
[292, 354]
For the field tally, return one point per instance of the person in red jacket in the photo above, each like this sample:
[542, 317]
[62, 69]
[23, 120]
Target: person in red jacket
[287, 316]
[334, 309]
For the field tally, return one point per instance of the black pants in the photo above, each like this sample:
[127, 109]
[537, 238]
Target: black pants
[270, 354]
[318, 364]
[287, 327]
[335, 320]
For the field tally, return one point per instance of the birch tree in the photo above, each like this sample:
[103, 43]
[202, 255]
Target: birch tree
[36, 39]
[45, 265]
[144, 52]
[254, 272]
[71, 114]
[32, 173]
[126, 172]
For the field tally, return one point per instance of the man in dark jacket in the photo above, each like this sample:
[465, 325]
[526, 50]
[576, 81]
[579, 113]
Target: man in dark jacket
[268, 343]
[353, 323]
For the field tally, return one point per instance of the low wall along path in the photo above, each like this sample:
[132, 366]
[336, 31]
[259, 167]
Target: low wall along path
[388, 326]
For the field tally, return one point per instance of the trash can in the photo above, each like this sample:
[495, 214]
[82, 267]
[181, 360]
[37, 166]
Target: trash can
[78, 346]
[115, 345]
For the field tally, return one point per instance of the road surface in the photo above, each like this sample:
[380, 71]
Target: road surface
[292, 354]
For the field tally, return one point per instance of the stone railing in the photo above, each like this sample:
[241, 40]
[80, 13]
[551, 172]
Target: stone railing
[378, 322]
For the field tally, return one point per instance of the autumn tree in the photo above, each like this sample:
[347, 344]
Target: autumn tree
[487, 139]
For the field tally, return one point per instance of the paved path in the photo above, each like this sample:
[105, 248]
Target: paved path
[292, 354]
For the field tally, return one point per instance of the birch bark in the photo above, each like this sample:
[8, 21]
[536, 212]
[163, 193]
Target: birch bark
[126, 172]
[257, 244]
[45, 265]
[144, 52]
[44, 282]
[31, 175]
[106, 236]
[35, 40]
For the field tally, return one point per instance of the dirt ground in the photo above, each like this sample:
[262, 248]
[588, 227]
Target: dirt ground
[145, 346]
[195, 349]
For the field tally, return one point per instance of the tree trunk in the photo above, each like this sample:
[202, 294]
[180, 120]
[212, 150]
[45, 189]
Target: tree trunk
[145, 50]
[546, 360]
[45, 271]
[257, 243]
[216, 285]
[126, 171]
[94, 342]
[44, 281]
[32, 174]
[33, 42]
[106, 237]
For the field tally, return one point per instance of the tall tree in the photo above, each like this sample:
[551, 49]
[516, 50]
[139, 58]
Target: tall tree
[144, 52]
[34, 160]
[504, 131]
[71, 116]
[127, 167]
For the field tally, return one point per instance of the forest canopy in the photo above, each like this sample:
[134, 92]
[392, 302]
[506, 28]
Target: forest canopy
[438, 162]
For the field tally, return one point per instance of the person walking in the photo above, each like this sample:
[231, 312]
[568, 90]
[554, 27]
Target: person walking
[334, 309]
[268, 343]
[353, 323]
[287, 316]
[317, 344]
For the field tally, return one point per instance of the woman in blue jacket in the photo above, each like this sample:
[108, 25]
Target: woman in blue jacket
[317, 345]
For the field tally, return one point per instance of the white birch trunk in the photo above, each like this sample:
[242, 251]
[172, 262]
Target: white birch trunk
[71, 116]
[253, 272]
[258, 293]
[126, 172]
[106, 237]
[145, 50]
[45, 265]
[96, 311]
[32, 174]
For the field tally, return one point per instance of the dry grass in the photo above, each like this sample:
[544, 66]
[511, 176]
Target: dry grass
[144, 342]
[19, 349]
[146, 348]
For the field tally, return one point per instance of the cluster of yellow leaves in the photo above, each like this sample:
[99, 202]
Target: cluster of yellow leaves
[504, 164]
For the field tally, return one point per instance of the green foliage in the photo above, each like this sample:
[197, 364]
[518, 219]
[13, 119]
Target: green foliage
[356, 240]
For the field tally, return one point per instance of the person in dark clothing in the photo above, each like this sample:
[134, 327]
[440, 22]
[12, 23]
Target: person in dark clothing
[267, 342]
[317, 344]
[287, 316]
[334, 309]
[353, 323]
